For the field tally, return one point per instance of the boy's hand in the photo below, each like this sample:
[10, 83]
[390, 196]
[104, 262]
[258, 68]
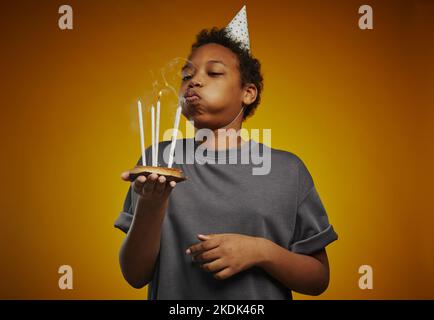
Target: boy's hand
[153, 188]
[226, 254]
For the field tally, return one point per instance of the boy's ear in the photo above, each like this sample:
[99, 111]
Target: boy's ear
[250, 93]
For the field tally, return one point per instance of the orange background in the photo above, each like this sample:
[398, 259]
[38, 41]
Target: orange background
[355, 105]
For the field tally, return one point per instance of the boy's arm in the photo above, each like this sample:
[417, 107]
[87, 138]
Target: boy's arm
[228, 254]
[141, 245]
[140, 248]
[306, 274]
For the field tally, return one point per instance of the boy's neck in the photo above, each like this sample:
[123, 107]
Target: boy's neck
[222, 141]
[224, 138]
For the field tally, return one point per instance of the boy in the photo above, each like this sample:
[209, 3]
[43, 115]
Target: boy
[225, 233]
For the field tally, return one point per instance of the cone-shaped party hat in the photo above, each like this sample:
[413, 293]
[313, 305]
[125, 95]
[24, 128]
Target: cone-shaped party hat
[238, 29]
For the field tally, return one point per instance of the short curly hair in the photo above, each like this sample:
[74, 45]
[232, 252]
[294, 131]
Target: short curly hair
[249, 67]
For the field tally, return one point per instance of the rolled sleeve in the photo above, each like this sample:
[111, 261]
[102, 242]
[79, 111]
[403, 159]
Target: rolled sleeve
[125, 218]
[123, 222]
[312, 230]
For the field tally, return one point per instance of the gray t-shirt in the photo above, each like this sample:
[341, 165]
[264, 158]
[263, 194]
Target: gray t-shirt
[282, 206]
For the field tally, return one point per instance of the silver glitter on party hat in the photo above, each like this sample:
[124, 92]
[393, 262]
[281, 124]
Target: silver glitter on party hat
[238, 29]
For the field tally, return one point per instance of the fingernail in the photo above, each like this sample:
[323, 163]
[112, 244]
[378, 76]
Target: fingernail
[188, 251]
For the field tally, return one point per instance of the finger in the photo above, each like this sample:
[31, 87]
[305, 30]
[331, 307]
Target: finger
[202, 246]
[214, 266]
[150, 184]
[169, 187]
[223, 274]
[138, 184]
[125, 176]
[203, 237]
[160, 184]
[207, 256]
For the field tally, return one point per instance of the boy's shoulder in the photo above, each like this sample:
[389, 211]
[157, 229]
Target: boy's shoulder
[284, 155]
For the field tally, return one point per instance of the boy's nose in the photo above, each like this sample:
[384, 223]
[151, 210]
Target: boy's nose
[195, 83]
[196, 80]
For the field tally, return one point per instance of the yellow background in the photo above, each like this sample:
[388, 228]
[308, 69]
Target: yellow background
[355, 105]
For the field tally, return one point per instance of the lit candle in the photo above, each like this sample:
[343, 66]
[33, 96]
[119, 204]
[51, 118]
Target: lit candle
[142, 135]
[157, 130]
[174, 135]
[153, 134]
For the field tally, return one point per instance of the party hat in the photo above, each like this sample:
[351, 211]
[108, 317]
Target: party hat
[238, 29]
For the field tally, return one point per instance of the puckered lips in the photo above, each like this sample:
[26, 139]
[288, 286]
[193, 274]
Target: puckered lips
[191, 96]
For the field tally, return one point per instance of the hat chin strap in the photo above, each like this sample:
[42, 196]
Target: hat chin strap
[239, 113]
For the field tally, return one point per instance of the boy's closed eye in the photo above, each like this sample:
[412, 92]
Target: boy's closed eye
[215, 74]
[211, 74]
